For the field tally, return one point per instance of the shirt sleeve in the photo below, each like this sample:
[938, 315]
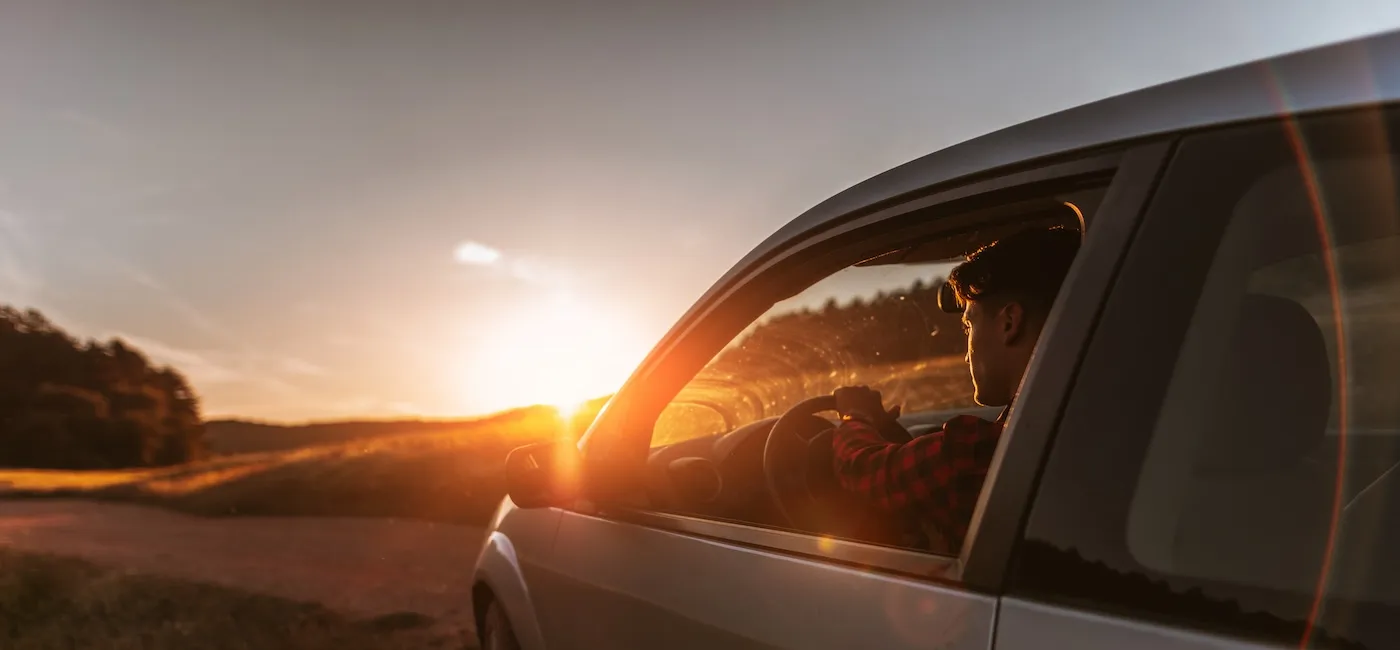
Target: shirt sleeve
[924, 473]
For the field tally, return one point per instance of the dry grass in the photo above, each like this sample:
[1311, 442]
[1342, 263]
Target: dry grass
[49, 602]
[442, 476]
[45, 479]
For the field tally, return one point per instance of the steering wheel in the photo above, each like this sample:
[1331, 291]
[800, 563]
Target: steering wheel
[797, 469]
[787, 458]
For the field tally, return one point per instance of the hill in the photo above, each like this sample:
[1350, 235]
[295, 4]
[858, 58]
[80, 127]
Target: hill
[452, 474]
[245, 436]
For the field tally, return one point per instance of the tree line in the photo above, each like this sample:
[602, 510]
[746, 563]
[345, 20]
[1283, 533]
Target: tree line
[70, 404]
[890, 328]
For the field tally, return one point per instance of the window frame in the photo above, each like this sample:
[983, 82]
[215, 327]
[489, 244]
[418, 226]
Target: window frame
[1133, 169]
[1109, 393]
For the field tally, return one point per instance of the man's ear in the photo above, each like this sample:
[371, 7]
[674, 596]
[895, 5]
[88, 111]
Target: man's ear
[1011, 320]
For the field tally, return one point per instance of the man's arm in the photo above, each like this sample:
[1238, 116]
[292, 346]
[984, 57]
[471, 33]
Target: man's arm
[893, 476]
[928, 472]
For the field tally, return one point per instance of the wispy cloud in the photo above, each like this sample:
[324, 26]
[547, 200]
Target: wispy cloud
[295, 366]
[191, 314]
[18, 282]
[213, 367]
[201, 367]
[230, 360]
[522, 268]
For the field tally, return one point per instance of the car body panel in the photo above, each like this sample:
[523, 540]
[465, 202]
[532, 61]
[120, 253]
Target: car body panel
[1027, 624]
[517, 542]
[639, 587]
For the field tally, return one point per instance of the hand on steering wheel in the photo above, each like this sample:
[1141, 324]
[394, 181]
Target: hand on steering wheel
[797, 461]
[863, 403]
[802, 486]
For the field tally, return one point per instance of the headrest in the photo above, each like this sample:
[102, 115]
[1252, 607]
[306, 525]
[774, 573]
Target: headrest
[1273, 391]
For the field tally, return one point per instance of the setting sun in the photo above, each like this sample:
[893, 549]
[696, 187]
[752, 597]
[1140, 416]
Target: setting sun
[559, 350]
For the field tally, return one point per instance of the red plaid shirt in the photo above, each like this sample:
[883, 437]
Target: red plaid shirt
[937, 475]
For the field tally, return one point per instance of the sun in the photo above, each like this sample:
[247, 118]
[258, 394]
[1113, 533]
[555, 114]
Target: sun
[568, 409]
[559, 350]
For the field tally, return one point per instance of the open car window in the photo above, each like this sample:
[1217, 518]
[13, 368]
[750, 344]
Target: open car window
[876, 321]
[878, 326]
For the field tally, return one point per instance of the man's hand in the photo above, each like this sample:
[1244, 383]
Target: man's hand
[860, 402]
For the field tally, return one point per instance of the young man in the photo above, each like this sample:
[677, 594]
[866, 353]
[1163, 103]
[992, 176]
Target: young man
[1005, 290]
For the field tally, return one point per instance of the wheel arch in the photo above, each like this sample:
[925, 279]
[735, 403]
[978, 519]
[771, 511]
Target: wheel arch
[499, 579]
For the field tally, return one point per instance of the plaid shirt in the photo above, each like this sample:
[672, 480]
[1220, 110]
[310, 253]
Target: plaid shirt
[938, 475]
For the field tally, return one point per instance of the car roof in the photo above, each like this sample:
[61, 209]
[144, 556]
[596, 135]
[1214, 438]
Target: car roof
[1349, 73]
[1356, 72]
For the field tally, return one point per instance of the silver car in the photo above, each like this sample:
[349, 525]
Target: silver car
[1203, 452]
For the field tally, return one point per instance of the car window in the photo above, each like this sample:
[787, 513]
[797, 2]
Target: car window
[1368, 290]
[1249, 471]
[875, 323]
[878, 326]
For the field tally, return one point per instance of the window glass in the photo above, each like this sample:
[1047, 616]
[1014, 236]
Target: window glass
[1369, 290]
[1249, 466]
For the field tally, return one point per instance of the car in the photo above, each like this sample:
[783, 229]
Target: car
[1203, 452]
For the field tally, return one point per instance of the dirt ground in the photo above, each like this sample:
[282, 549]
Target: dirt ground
[362, 567]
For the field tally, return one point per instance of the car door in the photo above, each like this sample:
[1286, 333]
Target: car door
[1227, 471]
[643, 575]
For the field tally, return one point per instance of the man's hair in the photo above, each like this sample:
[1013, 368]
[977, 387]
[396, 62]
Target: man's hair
[1027, 267]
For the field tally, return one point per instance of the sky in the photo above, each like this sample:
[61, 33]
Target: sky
[343, 209]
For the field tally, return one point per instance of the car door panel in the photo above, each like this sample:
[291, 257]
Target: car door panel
[633, 586]
[1027, 624]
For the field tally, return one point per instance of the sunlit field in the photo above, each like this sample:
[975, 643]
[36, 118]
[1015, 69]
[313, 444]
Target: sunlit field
[439, 472]
[447, 473]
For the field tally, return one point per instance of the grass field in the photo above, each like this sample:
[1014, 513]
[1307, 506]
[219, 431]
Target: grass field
[49, 602]
[450, 472]
[451, 475]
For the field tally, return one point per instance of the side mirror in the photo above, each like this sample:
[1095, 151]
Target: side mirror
[543, 474]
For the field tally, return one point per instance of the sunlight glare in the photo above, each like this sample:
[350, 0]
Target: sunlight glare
[567, 410]
[557, 350]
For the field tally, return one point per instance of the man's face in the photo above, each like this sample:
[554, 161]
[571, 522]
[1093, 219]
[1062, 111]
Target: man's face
[989, 356]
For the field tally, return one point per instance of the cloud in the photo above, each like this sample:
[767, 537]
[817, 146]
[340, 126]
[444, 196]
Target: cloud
[17, 281]
[476, 254]
[524, 269]
[199, 366]
[295, 366]
[230, 360]
[174, 301]
[222, 368]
